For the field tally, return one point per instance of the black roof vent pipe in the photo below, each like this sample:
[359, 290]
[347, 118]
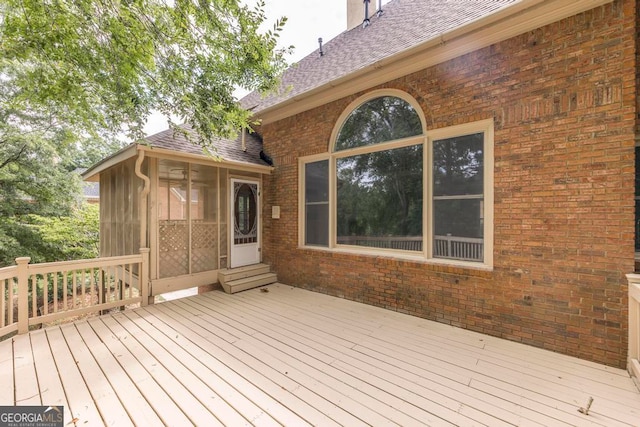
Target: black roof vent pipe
[320, 43]
[380, 11]
[366, 21]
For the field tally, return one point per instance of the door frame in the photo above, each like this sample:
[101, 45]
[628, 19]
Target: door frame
[258, 245]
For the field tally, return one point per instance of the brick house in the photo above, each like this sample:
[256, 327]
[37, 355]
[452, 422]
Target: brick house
[469, 162]
[545, 91]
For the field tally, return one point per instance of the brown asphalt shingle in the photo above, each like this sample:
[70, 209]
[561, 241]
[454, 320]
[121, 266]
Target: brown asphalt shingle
[227, 149]
[403, 25]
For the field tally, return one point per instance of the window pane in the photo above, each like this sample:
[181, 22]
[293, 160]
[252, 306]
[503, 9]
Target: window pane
[637, 171]
[637, 225]
[316, 176]
[457, 165]
[317, 225]
[382, 119]
[458, 229]
[458, 219]
[379, 199]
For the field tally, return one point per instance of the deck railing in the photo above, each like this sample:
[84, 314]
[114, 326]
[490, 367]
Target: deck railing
[413, 243]
[448, 246]
[462, 248]
[33, 294]
[634, 326]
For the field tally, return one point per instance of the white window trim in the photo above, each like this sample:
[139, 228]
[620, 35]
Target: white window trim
[482, 126]
[427, 138]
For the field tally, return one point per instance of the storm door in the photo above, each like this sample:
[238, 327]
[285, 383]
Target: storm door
[245, 236]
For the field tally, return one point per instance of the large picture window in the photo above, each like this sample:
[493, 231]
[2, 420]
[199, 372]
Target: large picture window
[379, 199]
[389, 186]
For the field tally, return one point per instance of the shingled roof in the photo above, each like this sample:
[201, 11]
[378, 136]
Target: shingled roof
[403, 25]
[227, 149]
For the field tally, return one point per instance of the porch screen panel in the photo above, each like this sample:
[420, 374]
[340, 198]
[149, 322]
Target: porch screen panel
[204, 219]
[458, 199]
[173, 227]
[316, 178]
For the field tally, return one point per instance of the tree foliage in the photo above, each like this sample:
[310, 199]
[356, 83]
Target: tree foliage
[104, 65]
[74, 235]
[380, 193]
[77, 74]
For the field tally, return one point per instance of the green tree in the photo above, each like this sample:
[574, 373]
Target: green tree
[99, 66]
[77, 74]
[380, 193]
[76, 236]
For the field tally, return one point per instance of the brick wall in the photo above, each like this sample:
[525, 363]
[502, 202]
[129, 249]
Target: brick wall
[563, 99]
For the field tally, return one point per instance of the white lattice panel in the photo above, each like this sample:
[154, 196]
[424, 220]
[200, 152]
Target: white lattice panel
[173, 252]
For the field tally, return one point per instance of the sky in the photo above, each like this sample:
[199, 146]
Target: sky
[306, 22]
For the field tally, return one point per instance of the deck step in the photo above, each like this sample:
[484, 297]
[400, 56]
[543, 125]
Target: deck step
[246, 283]
[240, 279]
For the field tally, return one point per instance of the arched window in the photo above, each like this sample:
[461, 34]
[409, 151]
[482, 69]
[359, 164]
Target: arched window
[385, 185]
[379, 176]
[382, 119]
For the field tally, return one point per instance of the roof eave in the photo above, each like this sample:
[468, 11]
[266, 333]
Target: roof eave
[205, 159]
[93, 173]
[526, 15]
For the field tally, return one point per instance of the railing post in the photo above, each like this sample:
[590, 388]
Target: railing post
[144, 277]
[23, 294]
[633, 356]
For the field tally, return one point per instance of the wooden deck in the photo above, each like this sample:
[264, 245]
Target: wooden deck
[293, 357]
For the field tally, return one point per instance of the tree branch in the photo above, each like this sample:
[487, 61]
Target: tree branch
[14, 158]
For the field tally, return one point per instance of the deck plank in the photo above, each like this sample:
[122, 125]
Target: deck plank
[351, 361]
[105, 397]
[27, 391]
[168, 378]
[235, 408]
[294, 357]
[323, 351]
[290, 393]
[134, 403]
[262, 375]
[235, 387]
[81, 404]
[52, 392]
[568, 409]
[161, 402]
[7, 391]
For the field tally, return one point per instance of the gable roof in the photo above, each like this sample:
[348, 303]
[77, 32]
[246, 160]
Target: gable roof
[402, 25]
[390, 46]
[228, 151]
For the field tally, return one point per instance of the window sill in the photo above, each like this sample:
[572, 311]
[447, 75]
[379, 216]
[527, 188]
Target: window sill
[403, 256]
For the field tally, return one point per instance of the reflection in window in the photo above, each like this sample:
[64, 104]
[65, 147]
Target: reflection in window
[316, 176]
[379, 199]
[637, 199]
[379, 120]
[458, 197]
[384, 182]
[246, 210]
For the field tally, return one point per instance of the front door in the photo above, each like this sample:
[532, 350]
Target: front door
[245, 244]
